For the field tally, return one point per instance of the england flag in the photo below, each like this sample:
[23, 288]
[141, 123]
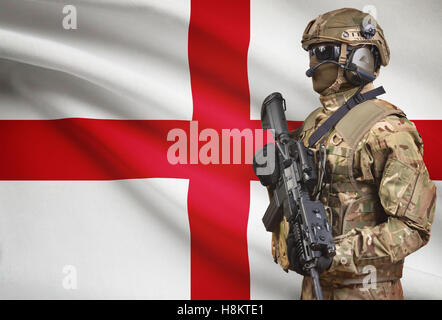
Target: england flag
[93, 94]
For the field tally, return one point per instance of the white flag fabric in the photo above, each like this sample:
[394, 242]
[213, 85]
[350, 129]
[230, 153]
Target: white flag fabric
[89, 206]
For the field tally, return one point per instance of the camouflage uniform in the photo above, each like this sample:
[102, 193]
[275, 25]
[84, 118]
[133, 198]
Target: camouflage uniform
[376, 190]
[379, 215]
[385, 214]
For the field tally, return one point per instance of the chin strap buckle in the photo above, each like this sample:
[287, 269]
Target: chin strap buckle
[358, 98]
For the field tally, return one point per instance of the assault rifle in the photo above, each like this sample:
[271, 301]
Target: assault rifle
[287, 169]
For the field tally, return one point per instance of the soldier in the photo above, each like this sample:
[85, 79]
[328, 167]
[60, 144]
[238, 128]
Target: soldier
[373, 181]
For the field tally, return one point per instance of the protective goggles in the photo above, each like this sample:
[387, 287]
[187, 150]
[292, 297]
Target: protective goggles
[326, 52]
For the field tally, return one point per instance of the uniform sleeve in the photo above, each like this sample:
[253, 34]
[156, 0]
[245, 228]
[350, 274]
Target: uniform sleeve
[406, 193]
[295, 134]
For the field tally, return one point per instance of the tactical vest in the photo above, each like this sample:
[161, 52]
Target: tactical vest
[341, 145]
[349, 195]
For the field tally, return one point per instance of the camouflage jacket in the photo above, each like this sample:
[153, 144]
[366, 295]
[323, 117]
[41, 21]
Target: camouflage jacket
[382, 210]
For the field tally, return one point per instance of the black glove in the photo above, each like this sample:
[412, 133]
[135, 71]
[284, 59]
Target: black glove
[295, 257]
[323, 263]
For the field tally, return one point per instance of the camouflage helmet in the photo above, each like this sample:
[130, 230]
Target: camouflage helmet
[349, 26]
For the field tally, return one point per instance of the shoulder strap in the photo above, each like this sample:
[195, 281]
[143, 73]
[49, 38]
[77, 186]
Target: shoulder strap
[356, 99]
[357, 122]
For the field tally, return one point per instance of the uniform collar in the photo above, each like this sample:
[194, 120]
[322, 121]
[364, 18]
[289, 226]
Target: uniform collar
[332, 102]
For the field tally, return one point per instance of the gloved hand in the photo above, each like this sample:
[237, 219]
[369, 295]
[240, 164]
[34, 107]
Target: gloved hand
[297, 262]
[323, 264]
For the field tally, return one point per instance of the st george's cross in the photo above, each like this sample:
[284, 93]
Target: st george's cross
[219, 194]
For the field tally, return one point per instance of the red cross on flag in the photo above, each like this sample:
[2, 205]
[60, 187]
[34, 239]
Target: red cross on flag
[90, 204]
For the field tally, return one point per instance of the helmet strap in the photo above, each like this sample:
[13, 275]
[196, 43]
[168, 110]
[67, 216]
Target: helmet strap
[340, 79]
